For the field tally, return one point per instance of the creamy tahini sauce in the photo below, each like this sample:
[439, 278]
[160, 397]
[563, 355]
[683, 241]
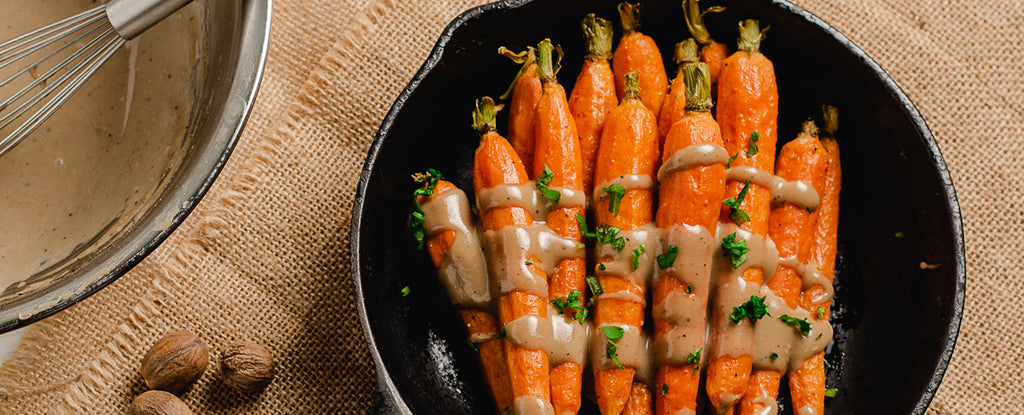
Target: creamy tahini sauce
[691, 156]
[91, 168]
[797, 192]
[627, 182]
[528, 197]
[687, 312]
[463, 272]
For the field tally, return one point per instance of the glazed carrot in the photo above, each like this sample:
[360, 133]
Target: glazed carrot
[638, 53]
[629, 146]
[639, 400]
[525, 91]
[807, 384]
[557, 151]
[496, 163]
[675, 102]
[479, 324]
[593, 95]
[711, 52]
[688, 196]
[747, 111]
[792, 228]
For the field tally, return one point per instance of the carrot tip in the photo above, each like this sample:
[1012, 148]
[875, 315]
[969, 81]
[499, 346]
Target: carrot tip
[831, 119]
[598, 33]
[485, 114]
[695, 20]
[698, 86]
[686, 52]
[751, 35]
[629, 14]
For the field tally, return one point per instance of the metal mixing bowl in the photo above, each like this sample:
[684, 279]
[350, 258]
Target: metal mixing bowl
[234, 41]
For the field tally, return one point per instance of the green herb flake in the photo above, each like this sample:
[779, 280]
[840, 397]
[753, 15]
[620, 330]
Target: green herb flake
[572, 303]
[664, 389]
[606, 234]
[732, 158]
[542, 185]
[694, 359]
[828, 367]
[830, 392]
[737, 250]
[809, 210]
[754, 309]
[428, 181]
[669, 257]
[602, 266]
[615, 195]
[801, 325]
[689, 289]
[595, 285]
[528, 262]
[474, 345]
[774, 356]
[636, 256]
[753, 144]
[613, 333]
[416, 225]
[737, 215]
[406, 290]
[819, 336]
[821, 312]
[899, 235]
[501, 333]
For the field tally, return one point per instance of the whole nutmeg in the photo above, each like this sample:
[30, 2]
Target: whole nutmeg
[175, 361]
[158, 403]
[247, 366]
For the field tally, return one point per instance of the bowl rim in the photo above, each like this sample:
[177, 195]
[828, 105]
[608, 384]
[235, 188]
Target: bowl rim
[176, 205]
[389, 399]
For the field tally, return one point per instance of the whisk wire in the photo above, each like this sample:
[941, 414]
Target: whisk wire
[13, 50]
[48, 74]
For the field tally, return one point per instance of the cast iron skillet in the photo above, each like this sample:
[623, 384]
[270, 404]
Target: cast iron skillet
[896, 319]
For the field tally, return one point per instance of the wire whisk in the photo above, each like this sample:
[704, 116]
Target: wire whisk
[83, 43]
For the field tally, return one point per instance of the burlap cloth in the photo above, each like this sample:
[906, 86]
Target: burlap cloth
[265, 255]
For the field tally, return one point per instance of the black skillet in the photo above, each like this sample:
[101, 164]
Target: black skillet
[899, 298]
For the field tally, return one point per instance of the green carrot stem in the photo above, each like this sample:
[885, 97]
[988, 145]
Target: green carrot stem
[629, 14]
[751, 35]
[831, 119]
[810, 127]
[484, 115]
[698, 86]
[524, 59]
[631, 90]
[549, 60]
[686, 52]
[695, 20]
[598, 33]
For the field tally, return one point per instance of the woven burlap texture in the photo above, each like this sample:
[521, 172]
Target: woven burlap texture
[265, 255]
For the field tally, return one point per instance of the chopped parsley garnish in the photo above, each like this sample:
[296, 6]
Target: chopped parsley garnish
[636, 256]
[831, 392]
[428, 180]
[570, 303]
[821, 312]
[602, 266]
[899, 235]
[694, 359]
[595, 285]
[732, 158]
[474, 345]
[665, 260]
[664, 389]
[801, 325]
[774, 356]
[737, 250]
[819, 336]
[737, 215]
[615, 194]
[613, 333]
[529, 262]
[753, 144]
[406, 290]
[754, 309]
[604, 234]
[689, 289]
[827, 367]
[542, 185]
[501, 333]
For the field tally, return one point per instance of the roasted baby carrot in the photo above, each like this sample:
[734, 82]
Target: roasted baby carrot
[688, 196]
[480, 325]
[791, 227]
[711, 52]
[639, 53]
[557, 155]
[525, 91]
[496, 163]
[639, 400]
[807, 384]
[629, 146]
[675, 102]
[747, 111]
[593, 95]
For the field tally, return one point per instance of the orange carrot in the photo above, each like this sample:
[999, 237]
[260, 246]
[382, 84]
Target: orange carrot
[674, 107]
[558, 151]
[629, 145]
[807, 384]
[791, 227]
[747, 112]
[593, 96]
[638, 53]
[478, 323]
[525, 91]
[497, 163]
[688, 196]
[711, 52]
[639, 400]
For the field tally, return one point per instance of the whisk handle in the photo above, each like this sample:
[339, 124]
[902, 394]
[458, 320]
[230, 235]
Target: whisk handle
[132, 17]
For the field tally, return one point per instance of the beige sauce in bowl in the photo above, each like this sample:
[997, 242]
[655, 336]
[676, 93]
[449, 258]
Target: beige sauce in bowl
[99, 160]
